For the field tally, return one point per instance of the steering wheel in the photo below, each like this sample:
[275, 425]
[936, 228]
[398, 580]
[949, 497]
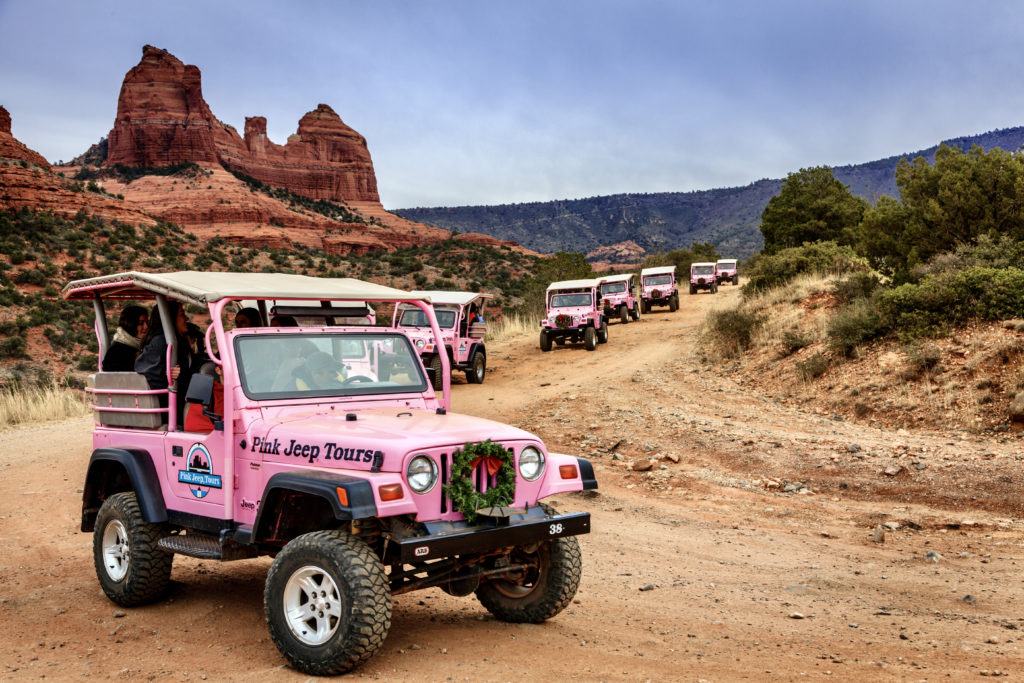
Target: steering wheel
[355, 379]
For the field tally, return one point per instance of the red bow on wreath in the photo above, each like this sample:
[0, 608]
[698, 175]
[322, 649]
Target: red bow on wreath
[492, 464]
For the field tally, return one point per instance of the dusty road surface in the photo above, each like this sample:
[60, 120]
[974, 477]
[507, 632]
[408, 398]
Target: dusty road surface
[734, 538]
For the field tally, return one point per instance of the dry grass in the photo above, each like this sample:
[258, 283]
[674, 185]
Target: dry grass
[31, 405]
[511, 326]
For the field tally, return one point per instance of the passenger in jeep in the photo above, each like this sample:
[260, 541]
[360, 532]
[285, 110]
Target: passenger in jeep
[321, 371]
[152, 359]
[248, 317]
[131, 328]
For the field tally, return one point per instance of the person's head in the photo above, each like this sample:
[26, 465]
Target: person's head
[283, 321]
[156, 328]
[323, 368]
[248, 317]
[134, 320]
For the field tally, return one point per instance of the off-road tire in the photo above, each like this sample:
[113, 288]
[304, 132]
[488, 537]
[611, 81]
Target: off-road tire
[590, 339]
[477, 368]
[693, 289]
[438, 379]
[553, 585]
[635, 313]
[130, 567]
[645, 307]
[602, 333]
[714, 289]
[363, 602]
[673, 304]
[623, 314]
[545, 341]
[735, 280]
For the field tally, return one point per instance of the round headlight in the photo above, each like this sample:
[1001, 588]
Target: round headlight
[531, 463]
[420, 343]
[421, 474]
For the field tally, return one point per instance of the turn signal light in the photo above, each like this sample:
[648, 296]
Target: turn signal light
[390, 492]
[567, 471]
[342, 497]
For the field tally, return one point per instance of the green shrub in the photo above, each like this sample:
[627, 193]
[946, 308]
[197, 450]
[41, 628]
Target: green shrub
[813, 367]
[853, 325]
[765, 271]
[730, 331]
[13, 347]
[855, 286]
[793, 340]
[922, 359]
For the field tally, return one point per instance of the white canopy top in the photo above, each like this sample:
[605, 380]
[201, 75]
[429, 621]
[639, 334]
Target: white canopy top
[451, 298]
[574, 284]
[624, 277]
[726, 260]
[660, 270]
[204, 288]
[702, 263]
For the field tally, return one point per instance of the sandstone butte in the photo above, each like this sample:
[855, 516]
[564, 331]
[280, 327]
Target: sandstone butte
[162, 119]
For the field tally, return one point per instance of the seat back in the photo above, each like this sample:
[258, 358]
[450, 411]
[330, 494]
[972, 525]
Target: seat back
[477, 330]
[106, 403]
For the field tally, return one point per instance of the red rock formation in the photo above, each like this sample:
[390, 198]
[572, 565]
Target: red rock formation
[11, 148]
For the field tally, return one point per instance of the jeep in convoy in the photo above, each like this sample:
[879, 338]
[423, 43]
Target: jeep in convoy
[727, 271]
[573, 314]
[703, 276]
[658, 288]
[460, 317]
[350, 472]
[618, 297]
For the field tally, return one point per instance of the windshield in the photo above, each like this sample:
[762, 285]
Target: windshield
[414, 317]
[312, 365]
[613, 288]
[658, 280]
[564, 300]
[703, 270]
[727, 264]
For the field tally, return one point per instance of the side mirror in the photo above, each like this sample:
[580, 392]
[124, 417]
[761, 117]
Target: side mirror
[200, 390]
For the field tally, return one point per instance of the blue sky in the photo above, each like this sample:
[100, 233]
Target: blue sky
[487, 102]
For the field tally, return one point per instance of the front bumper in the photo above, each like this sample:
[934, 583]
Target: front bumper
[447, 540]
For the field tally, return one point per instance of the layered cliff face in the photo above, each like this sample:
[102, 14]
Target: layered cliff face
[162, 119]
[11, 148]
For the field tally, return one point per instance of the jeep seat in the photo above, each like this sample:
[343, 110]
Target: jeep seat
[477, 330]
[124, 381]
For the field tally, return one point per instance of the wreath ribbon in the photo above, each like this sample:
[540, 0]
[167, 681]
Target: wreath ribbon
[492, 464]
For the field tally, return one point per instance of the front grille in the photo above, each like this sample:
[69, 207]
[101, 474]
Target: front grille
[482, 482]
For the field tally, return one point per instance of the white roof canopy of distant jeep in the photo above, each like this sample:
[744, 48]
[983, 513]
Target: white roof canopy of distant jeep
[450, 298]
[203, 288]
[660, 270]
[573, 284]
[625, 277]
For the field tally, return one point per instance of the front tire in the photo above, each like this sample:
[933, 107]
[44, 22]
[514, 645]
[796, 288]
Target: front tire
[543, 589]
[645, 307]
[477, 368]
[635, 313]
[327, 603]
[131, 569]
[590, 339]
[623, 314]
[693, 289]
[545, 341]
[673, 304]
[735, 280]
[602, 333]
[438, 373]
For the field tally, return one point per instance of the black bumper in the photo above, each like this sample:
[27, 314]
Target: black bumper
[530, 528]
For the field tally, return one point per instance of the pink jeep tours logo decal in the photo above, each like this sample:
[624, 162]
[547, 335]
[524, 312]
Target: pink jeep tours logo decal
[199, 476]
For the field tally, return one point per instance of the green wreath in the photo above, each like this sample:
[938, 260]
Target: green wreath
[462, 488]
[562, 321]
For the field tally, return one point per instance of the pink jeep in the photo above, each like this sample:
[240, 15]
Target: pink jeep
[573, 314]
[352, 474]
[618, 297]
[658, 288]
[703, 276]
[460, 317]
[727, 271]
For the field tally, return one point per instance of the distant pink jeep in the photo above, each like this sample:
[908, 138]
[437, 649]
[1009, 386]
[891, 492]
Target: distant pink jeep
[326, 448]
[703, 276]
[574, 315]
[727, 271]
[618, 297]
[460, 317]
[658, 288]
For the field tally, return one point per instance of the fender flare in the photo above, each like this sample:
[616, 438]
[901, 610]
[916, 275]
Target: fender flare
[477, 345]
[587, 474]
[142, 478]
[325, 485]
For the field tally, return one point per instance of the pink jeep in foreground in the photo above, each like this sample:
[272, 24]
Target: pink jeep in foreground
[727, 271]
[658, 288]
[703, 276]
[353, 475]
[573, 314]
[618, 297]
[460, 317]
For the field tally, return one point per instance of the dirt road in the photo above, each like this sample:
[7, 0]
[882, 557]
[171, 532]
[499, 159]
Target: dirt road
[701, 567]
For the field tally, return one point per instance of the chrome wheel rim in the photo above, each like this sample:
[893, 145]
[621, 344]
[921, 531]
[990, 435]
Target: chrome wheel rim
[116, 556]
[312, 605]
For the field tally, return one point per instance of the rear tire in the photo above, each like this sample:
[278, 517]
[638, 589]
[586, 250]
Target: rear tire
[545, 341]
[635, 313]
[477, 368]
[327, 602]
[645, 307]
[438, 381]
[623, 314]
[602, 333]
[590, 339]
[673, 304]
[735, 280]
[693, 289]
[131, 568]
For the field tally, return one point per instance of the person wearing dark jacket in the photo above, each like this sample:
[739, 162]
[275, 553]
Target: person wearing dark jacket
[152, 359]
[131, 328]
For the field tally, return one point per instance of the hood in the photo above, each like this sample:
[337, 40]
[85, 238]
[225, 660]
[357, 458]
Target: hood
[327, 437]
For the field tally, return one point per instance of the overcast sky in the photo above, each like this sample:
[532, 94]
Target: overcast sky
[488, 102]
